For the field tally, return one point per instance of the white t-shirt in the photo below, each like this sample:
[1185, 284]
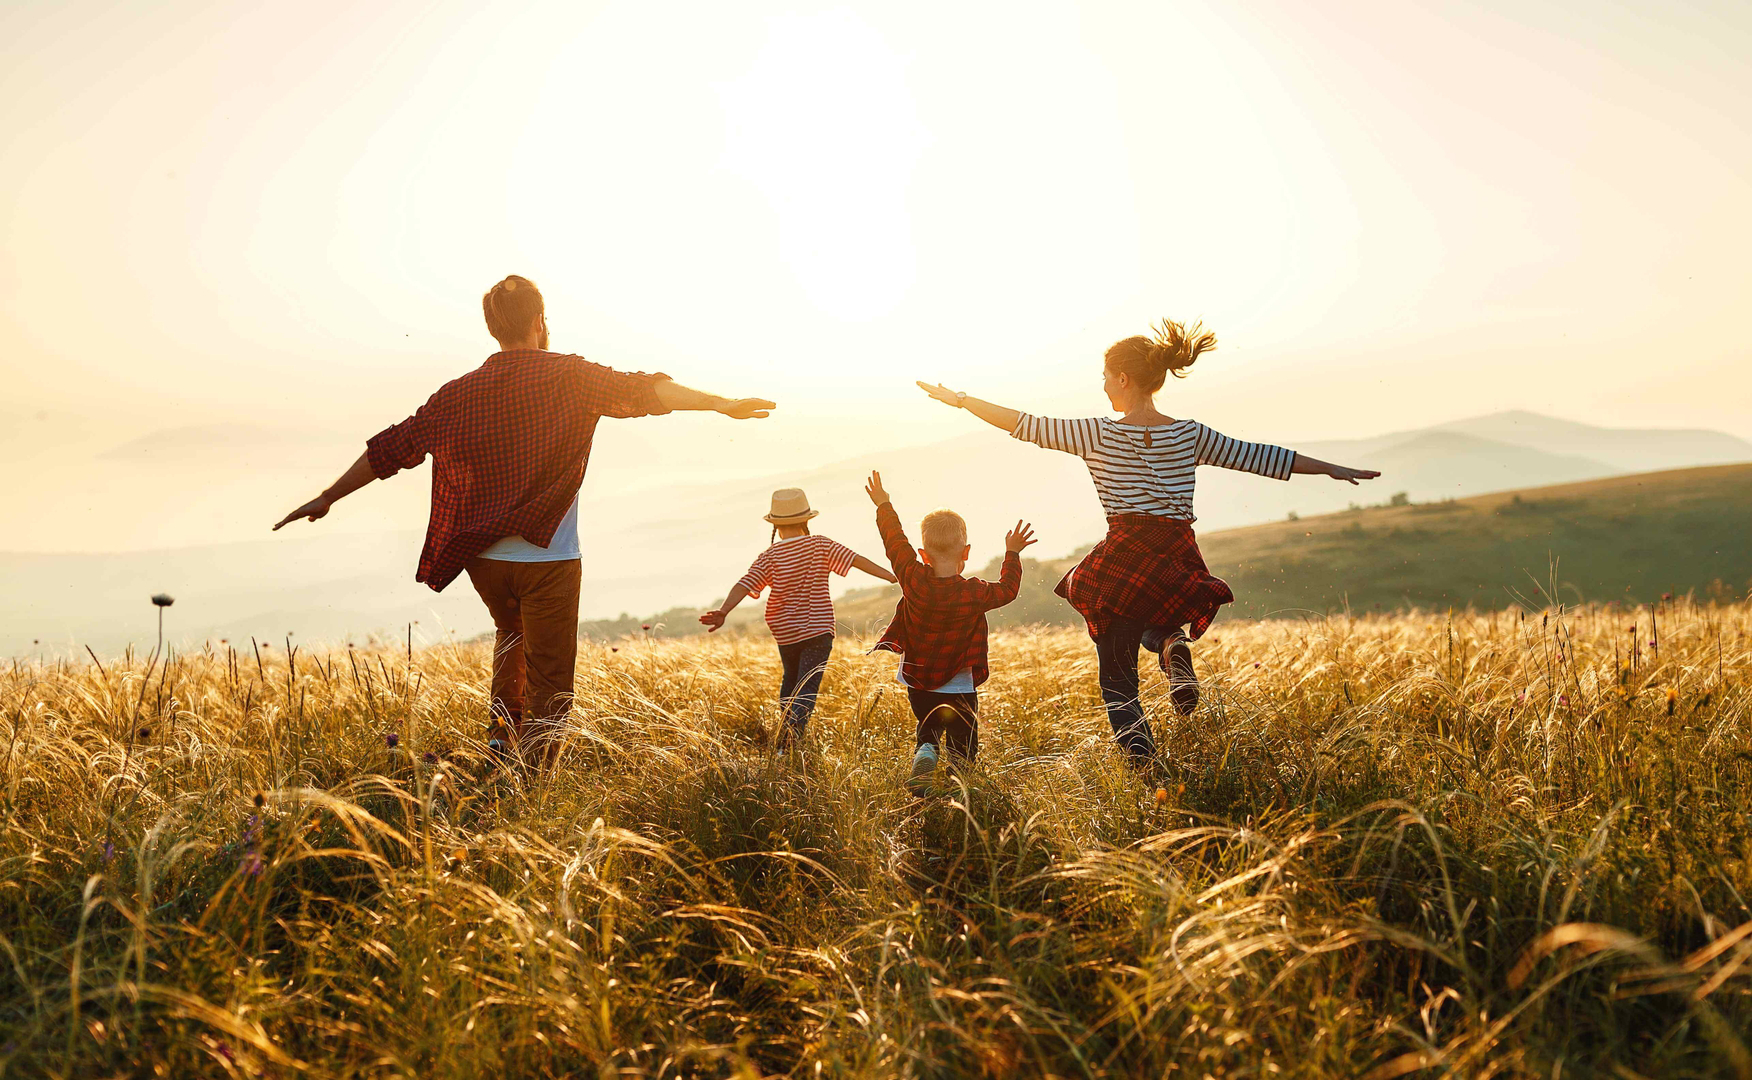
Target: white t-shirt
[563, 547]
[962, 683]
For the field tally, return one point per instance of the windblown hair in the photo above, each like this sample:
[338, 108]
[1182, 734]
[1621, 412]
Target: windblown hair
[943, 532]
[1171, 347]
[511, 308]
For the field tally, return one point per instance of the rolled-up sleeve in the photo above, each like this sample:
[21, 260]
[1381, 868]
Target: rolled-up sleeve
[400, 446]
[622, 394]
[1215, 448]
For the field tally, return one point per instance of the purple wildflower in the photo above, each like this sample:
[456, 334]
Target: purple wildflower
[391, 740]
[429, 758]
[109, 850]
[252, 864]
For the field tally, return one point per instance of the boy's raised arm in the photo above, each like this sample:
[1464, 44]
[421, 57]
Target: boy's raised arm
[894, 542]
[1009, 581]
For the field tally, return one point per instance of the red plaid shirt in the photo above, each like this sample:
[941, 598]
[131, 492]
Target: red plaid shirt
[509, 443]
[1148, 568]
[939, 627]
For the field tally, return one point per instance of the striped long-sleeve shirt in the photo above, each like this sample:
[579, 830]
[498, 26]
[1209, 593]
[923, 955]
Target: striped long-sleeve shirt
[1149, 470]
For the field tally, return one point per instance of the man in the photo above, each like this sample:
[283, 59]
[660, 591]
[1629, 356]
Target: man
[509, 443]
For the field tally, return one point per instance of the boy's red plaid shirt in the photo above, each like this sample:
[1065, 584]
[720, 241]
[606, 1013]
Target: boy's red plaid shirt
[509, 443]
[939, 626]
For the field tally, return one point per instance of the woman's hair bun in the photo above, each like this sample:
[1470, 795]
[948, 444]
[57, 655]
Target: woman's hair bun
[1177, 346]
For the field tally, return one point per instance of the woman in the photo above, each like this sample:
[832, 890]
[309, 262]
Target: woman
[1146, 583]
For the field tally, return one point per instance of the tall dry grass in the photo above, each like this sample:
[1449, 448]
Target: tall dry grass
[1498, 845]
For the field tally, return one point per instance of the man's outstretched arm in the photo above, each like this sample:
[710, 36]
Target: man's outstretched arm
[680, 398]
[357, 476]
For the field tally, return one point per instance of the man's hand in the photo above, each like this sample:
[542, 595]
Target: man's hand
[748, 408]
[940, 393]
[1341, 472]
[311, 510]
[873, 488]
[1019, 537]
[713, 619]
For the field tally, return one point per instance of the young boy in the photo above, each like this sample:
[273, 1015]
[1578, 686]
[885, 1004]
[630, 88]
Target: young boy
[939, 627]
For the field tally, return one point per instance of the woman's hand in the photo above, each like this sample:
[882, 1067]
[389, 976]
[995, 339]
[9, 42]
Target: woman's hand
[942, 393]
[1350, 475]
[873, 488]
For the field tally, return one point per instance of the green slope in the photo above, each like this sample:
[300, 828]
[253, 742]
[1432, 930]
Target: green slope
[1627, 538]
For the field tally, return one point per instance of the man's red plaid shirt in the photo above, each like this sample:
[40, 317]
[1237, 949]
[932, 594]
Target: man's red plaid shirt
[939, 627]
[509, 443]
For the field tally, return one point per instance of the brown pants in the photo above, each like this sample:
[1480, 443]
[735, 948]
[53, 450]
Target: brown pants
[950, 721]
[535, 647]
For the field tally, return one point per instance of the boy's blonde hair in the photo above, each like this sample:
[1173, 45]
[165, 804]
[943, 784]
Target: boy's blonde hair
[943, 532]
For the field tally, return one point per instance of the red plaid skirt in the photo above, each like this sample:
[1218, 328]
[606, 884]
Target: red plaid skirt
[1147, 568]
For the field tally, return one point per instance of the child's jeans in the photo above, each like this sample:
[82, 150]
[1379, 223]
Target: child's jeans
[949, 721]
[804, 662]
[1117, 652]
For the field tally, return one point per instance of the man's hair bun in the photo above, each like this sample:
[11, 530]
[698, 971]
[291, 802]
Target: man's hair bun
[1171, 347]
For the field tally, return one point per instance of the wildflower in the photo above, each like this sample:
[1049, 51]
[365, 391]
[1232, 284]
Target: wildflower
[225, 1052]
[1563, 699]
[1161, 796]
[1672, 699]
[1666, 596]
[260, 800]
[429, 758]
[252, 864]
[109, 850]
[391, 740]
[645, 626]
[163, 599]
[614, 648]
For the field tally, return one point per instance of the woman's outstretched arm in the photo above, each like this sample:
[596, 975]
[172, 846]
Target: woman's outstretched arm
[1306, 464]
[995, 415]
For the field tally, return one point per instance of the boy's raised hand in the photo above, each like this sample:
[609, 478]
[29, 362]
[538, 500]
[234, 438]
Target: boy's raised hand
[1019, 537]
[873, 488]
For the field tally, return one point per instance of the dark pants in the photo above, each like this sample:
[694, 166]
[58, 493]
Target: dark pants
[804, 662]
[948, 721]
[535, 647]
[1117, 653]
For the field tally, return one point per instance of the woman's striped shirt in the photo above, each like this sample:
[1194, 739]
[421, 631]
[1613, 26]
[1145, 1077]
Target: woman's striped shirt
[796, 570]
[1149, 470]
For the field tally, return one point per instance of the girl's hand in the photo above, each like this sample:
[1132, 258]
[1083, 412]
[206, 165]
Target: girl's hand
[713, 619]
[1341, 472]
[942, 393]
[873, 488]
[1019, 537]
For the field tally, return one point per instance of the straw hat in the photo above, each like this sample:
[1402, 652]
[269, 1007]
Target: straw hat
[790, 507]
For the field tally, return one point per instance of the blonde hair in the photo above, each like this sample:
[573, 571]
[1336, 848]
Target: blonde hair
[943, 532]
[511, 308]
[1171, 347]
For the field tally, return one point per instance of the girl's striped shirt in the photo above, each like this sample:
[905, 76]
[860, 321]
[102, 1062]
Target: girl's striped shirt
[1140, 469]
[796, 570]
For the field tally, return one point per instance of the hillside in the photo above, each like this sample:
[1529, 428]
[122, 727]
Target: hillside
[1628, 538]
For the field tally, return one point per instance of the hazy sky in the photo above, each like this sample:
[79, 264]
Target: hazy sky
[283, 215]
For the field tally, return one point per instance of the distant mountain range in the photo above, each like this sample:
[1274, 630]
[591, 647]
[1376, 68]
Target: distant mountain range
[685, 543]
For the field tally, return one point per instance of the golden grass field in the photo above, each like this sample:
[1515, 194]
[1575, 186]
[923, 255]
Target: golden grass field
[1499, 845]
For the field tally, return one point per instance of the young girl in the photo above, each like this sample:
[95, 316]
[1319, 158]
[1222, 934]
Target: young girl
[1146, 583]
[799, 613]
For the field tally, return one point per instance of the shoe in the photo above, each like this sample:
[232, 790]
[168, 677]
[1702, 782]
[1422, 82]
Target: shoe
[924, 770]
[1182, 680]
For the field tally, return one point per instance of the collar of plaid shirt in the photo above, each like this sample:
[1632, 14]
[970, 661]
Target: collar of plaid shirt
[509, 443]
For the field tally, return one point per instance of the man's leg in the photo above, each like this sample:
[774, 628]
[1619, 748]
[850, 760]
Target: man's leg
[492, 580]
[548, 596]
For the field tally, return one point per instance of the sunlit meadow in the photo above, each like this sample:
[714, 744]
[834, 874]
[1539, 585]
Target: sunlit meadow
[1510, 844]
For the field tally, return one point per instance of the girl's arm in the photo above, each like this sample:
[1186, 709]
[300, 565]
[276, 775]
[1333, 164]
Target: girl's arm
[1306, 464]
[715, 619]
[868, 567]
[996, 415]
